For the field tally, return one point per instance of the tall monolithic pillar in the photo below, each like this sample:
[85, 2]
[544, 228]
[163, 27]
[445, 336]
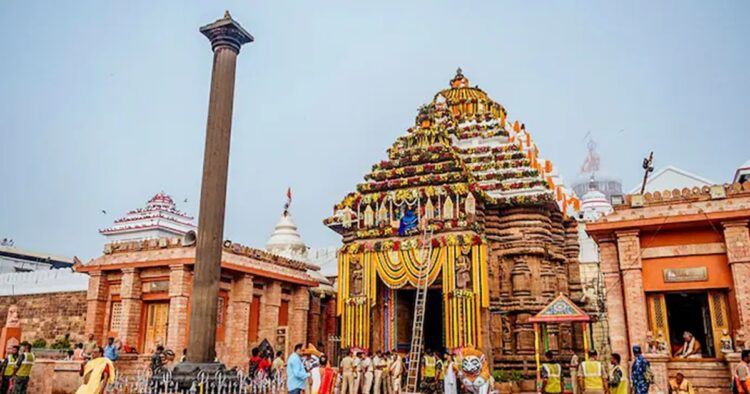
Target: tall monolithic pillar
[179, 295]
[96, 305]
[610, 268]
[226, 36]
[737, 239]
[131, 289]
[631, 266]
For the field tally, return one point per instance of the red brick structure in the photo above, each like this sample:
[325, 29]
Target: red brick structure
[674, 261]
[139, 292]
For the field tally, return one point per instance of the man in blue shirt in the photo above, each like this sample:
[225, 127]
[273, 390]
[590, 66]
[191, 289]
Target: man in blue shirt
[296, 375]
[110, 351]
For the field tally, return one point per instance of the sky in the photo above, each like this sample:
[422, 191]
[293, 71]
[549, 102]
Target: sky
[103, 104]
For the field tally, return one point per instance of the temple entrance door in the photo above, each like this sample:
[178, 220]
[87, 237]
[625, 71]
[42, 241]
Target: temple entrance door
[157, 318]
[433, 319]
[690, 312]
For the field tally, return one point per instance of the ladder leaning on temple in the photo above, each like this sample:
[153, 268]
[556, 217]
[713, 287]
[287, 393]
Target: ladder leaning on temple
[415, 352]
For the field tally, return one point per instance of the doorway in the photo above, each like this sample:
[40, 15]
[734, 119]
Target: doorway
[690, 312]
[433, 319]
[157, 319]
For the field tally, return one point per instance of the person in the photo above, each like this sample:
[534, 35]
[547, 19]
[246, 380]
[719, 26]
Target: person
[296, 375]
[367, 372]
[277, 366]
[358, 372]
[89, 346]
[167, 362]
[157, 361]
[618, 382]
[551, 375]
[23, 370]
[387, 381]
[10, 364]
[429, 372]
[640, 372]
[378, 363]
[690, 348]
[574, 373]
[592, 375]
[741, 375]
[258, 366]
[78, 353]
[397, 369]
[327, 376]
[450, 374]
[680, 385]
[346, 369]
[97, 373]
[183, 358]
[110, 351]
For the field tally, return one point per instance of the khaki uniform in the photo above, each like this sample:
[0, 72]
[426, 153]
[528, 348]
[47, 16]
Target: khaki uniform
[379, 364]
[367, 374]
[348, 370]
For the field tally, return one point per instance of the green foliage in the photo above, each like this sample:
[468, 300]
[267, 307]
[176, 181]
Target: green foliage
[39, 343]
[503, 376]
[62, 343]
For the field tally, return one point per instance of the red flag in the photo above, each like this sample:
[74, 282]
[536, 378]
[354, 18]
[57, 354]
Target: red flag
[289, 195]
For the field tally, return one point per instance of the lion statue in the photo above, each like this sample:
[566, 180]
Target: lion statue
[475, 372]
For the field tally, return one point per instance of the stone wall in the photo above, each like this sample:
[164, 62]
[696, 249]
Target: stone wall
[48, 316]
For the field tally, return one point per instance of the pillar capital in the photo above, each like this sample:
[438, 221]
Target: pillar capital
[226, 33]
[627, 233]
[735, 223]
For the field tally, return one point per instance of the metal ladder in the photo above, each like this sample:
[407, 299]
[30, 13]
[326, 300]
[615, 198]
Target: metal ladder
[415, 353]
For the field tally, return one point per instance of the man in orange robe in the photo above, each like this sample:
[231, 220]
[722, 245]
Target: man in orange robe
[327, 376]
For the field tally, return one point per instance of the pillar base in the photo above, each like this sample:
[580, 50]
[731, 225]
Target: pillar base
[211, 375]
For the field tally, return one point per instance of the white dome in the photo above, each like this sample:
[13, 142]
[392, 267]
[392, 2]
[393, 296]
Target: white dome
[285, 239]
[594, 205]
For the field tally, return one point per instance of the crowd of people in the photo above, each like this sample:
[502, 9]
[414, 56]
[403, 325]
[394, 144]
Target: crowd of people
[594, 377]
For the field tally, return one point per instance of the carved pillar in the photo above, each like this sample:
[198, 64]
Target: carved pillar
[629, 254]
[269, 312]
[179, 293]
[737, 239]
[238, 319]
[610, 267]
[96, 305]
[314, 320]
[131, 289]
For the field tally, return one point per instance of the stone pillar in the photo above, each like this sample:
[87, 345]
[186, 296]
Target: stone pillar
[130, 294]
[629, 252]
[269, 312]
[299, 305]
[737, 239]
[238, 321]
[610, 268]
[96, 305]
[226, 37]
[179, 296]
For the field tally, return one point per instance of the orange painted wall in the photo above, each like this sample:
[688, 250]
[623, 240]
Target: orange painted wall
[719, 274]
[681, 237]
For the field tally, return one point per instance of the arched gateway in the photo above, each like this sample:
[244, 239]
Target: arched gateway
[502, 244]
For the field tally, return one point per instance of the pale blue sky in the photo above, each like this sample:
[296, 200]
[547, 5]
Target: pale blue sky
[103, 104]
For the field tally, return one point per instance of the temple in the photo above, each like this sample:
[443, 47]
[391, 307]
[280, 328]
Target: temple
[464, 195]
[160, 218]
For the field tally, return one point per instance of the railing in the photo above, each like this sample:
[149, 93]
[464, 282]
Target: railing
[227, 382]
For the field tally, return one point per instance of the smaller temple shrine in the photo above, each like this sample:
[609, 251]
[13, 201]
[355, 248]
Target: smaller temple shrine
[160, 218]
[140, 287]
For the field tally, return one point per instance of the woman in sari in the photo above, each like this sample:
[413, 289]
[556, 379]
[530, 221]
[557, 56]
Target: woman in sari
[97, 373]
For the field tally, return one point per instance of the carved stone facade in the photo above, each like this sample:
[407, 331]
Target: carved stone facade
[464, 196]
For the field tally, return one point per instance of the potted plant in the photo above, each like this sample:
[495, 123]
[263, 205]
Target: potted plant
[515, 378]
[502, 381]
